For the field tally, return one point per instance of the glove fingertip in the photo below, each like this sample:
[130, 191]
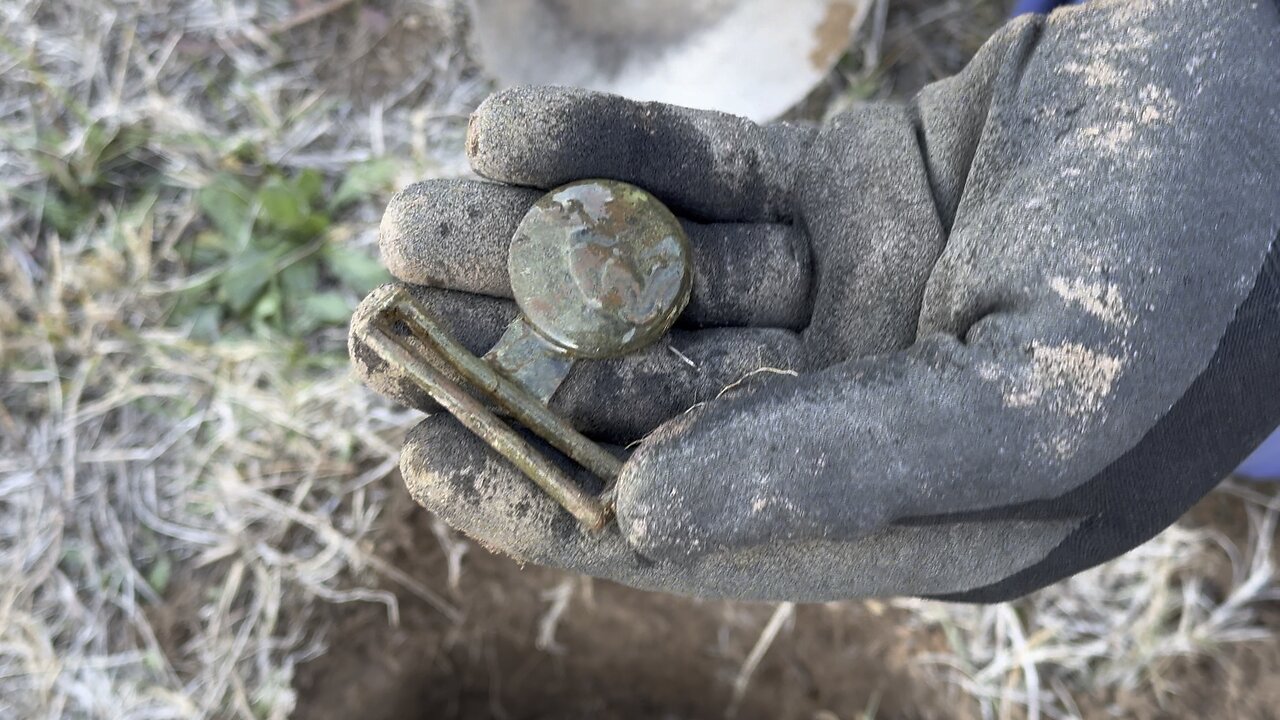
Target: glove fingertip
[371, 368]
[705, 165]
[453, 233]
[457, 477]
[517, 135]
[652, 515]
[398, 231]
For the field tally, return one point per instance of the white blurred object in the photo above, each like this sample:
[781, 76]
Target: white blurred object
[756, 58]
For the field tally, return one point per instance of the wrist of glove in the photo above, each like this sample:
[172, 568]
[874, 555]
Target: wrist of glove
[975, 343]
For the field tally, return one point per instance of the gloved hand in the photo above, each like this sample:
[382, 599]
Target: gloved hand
[1032, 315]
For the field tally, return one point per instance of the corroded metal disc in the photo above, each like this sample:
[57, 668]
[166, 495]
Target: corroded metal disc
[600, 268]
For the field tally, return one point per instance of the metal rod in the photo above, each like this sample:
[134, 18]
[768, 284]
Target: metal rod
[498, 435]
[521, 403]
[593, 512]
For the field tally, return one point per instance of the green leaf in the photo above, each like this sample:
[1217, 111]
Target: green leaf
[309, 184]
[159, 574]
[225, 201]
[314, 311]
[287, 207]
[65, 217]
[363, 180]
[327, 307]
[72, 560]
[205, 321]
[284, 207]
[241, 150]
[57, 168]
[268, 306]
[154, 661]
[355, 269]
[208, 248]
[246, 279]
[85, 163]
[301, 278]
[312, 226]
[106, 145]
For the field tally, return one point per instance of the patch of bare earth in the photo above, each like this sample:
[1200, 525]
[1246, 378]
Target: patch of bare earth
[538, 643]
[1238, 681]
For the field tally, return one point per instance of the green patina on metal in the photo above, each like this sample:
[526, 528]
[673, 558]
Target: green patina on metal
[600, 269]
[527, 358]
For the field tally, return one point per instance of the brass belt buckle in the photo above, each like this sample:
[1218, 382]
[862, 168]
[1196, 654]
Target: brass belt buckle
[599, 269]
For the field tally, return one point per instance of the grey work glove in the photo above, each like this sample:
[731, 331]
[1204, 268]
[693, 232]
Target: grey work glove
[1035, 314]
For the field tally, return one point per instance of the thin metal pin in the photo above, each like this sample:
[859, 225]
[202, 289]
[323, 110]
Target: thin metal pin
[479, 419]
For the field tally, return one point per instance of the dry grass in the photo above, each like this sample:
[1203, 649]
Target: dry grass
[173, 512]
[1119, 628]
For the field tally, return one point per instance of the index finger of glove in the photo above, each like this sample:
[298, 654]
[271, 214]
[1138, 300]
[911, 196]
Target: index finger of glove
[455, 234]
[706, 165]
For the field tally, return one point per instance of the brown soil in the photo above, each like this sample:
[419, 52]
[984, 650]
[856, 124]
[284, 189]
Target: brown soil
[622, 653]
[1241, 681]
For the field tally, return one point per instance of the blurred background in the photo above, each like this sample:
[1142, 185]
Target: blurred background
[200, 513]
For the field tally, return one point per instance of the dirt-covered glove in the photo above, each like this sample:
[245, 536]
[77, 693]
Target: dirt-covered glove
[976, 343]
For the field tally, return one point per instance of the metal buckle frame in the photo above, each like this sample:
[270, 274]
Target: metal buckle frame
[594, 512]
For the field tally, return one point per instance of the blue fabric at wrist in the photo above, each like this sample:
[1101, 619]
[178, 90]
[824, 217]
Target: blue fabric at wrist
[1265, 463]
[1040, 6]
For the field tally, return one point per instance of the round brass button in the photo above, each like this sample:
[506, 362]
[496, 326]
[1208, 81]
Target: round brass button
[600, 268]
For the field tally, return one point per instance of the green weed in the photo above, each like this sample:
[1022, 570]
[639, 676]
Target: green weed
[106, 160]
[272, 253]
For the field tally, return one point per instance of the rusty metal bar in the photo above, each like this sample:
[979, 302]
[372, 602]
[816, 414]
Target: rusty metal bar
[593, 512]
